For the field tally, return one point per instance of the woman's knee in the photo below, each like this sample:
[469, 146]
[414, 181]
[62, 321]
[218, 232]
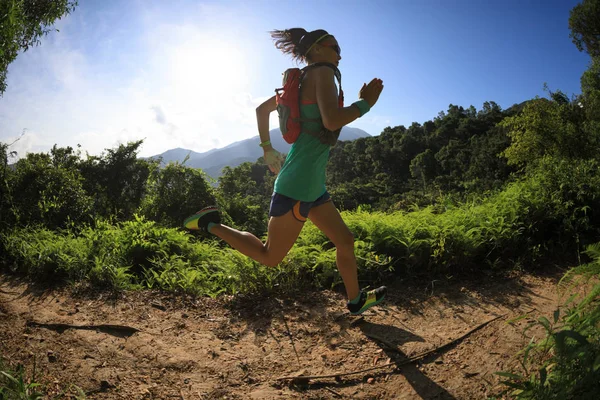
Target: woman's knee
[272, 259]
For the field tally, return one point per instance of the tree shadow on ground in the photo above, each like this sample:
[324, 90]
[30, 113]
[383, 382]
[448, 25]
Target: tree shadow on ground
[389, 339]
[486, 291]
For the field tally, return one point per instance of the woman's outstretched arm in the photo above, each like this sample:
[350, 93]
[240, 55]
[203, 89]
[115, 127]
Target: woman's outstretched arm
[263, 113]
[333, 116]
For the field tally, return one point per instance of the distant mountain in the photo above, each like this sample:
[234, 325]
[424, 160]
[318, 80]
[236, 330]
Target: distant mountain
[213, 161]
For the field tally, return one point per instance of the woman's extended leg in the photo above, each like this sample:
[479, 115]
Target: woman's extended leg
[328, 219]
[282, 233]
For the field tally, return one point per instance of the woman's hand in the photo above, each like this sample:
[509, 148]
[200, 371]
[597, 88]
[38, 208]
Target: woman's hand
[371, 91]
[273, 159]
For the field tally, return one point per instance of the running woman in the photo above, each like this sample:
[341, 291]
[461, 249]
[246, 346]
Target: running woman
[300, 193]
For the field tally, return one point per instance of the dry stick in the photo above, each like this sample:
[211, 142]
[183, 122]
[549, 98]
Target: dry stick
[405, 362]
[333, 391]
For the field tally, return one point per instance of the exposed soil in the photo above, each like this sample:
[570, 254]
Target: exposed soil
[237, 348]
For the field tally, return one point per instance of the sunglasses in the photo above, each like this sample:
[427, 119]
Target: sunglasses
[334, 47]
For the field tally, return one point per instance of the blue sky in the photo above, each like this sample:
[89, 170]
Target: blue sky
[190, 74]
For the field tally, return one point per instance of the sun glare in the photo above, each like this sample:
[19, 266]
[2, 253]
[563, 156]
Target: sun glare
[210, 68]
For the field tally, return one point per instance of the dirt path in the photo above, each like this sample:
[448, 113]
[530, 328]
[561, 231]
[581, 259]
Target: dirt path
[237, 348]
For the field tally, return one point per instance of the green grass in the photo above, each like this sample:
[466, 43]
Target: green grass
[565, 364]
[16, 385]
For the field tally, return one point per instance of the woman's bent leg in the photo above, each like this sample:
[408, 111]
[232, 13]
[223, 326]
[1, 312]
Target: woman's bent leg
[282, 234]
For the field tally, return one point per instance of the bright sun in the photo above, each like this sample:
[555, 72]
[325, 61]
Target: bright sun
[207, 67]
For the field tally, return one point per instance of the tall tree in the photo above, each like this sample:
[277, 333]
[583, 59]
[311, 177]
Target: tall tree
[23, 23]
[584, 23]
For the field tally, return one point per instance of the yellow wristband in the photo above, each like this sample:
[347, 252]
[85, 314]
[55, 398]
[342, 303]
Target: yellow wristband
[263, 144]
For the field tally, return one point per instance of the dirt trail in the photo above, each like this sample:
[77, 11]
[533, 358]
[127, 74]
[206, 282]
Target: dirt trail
[237, 348]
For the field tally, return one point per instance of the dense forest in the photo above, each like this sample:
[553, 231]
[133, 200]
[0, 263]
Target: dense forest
[470, 189]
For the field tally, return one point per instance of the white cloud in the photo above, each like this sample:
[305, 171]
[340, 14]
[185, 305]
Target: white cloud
[185, 86]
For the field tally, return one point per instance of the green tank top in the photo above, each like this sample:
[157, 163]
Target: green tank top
[302, 176]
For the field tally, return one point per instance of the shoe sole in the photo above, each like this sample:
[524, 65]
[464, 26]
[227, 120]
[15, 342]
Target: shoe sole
[370, 305]
[188, 222]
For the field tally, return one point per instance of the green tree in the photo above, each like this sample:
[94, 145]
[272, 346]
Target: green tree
[174, 193]
[590, 98]
[424, 167]
[590, 80]
[48, 189]
[548, 128]
[245, 193]
[117, 180]
[5, 190]
[584, 23]
[23, 23]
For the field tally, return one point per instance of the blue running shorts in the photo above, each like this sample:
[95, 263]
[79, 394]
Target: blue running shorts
[280, 205]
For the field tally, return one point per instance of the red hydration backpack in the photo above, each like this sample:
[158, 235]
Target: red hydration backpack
[288, 102]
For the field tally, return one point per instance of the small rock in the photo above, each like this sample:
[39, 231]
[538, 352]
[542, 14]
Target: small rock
[51, 356]
[371, 380]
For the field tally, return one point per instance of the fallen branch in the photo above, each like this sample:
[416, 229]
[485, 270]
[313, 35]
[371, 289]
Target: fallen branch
[405, 362]
[106, 328]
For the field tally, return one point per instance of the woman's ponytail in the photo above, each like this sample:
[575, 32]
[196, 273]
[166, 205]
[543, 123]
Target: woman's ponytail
[296, 41]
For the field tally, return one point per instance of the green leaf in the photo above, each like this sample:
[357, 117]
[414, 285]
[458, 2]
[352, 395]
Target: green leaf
[545, 323]
[556, 315]
[560, 337]
[10, 377]
[510, 375]
[543, 376]
[596, 365]
[526, 353]
[512, 321]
